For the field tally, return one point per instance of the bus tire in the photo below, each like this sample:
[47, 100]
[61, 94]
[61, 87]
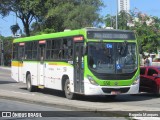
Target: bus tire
[158, 90]
[68, 93]
[30, 87]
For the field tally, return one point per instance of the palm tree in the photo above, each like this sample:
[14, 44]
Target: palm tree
[123, 19]
[108, 20]
[14, 28]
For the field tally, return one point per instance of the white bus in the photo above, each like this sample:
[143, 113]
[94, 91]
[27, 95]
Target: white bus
[86, 61]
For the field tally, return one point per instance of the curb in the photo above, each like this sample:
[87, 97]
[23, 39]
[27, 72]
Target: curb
[5, 68]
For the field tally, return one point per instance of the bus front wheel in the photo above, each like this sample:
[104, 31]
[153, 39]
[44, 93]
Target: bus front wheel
[158, 90]
[30, 87]
[67, 90]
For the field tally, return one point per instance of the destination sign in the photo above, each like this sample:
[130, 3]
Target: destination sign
[110, 35]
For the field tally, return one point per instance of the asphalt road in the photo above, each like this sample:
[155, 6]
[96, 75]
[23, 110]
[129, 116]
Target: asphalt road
[9, 89]
[17, 110]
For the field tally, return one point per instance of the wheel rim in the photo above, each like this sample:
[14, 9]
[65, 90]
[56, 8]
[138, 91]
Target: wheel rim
[28, 83]
[68, 89]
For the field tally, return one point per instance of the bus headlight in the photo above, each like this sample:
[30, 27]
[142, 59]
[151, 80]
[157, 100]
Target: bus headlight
[91, 80]
[136, 81]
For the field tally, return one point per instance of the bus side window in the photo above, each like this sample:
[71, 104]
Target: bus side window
[65, 49]
[34, 50]
[42, 53]
[70, 49]
[28, 50]
[20, 53]
[49, 49]
[25, 56]
[70, 54]
[15, 51]
[56, 54]
[58, 49]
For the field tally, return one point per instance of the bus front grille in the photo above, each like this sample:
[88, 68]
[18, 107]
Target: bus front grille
[121, 90]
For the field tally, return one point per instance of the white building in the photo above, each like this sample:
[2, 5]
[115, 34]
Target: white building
[123, 5]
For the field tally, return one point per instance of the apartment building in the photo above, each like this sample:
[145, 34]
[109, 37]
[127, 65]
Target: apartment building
[123, 5]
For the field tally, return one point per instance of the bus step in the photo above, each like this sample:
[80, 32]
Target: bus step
[41, 86]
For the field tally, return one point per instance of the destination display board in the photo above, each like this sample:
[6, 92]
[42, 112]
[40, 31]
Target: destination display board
[110, 35]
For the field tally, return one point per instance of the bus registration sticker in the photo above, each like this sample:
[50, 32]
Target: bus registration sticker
[115, 92]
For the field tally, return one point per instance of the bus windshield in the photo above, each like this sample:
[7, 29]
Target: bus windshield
[112, 58]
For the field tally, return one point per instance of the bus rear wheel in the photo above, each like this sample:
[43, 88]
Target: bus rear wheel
[67, 90]
[30, 87]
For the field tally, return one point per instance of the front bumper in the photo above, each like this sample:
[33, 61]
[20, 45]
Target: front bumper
[90, 89]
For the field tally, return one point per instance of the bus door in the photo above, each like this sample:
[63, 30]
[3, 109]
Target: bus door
[20, 62]
[41, 65]
[78, 68]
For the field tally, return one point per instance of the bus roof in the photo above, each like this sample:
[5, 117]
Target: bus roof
[51, 35]
[65, 34]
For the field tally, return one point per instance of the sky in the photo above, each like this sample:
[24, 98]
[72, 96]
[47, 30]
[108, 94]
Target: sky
[149, 7]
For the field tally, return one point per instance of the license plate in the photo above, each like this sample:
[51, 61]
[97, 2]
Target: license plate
[115, 92]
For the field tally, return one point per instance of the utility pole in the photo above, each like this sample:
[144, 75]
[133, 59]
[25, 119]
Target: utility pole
[116, 14]
[2, 52]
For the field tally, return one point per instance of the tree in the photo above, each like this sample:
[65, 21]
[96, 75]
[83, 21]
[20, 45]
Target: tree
[14, 29]
[7, 48]
[70, 14]
[84, 15]
[123, 20]
[26, 10]
[109, 20]
[148, 32]
[51, 14]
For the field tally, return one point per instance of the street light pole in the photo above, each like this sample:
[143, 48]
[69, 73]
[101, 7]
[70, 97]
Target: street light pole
[116, 14]
[2, 52]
